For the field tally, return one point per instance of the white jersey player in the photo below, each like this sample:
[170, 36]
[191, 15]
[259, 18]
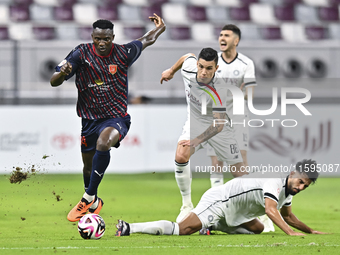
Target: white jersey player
[234, 207]
[197, 130]
[238, 70]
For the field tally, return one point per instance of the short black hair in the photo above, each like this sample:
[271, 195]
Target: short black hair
[233, 28]
[308, 167]
[103, 24]
[208, 54]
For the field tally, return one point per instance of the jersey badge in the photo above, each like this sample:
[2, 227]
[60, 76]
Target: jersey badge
[236, 72]
[113, 69]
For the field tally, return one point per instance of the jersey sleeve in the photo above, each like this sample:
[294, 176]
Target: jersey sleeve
[249, 76]
[133, 51]
[74, 57]
[288, 201]
[189, 65]
[272, 189]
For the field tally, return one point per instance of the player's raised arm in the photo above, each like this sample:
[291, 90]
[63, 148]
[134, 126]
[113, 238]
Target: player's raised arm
[292, 220]
[168, 74]
[150, 37]
[59, 77]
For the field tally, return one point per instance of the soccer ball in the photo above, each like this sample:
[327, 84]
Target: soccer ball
[91, 226]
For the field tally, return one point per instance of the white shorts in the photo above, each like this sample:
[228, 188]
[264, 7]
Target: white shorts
[224, 143]
[210, 208]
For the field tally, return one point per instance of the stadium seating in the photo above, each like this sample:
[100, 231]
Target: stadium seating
[180, 33]
[85, 13]
[109, 12]
[271, 33]
[41, 13]
[239, 13]
[128, 13]
[203, 32]
[147, 11]
[328, 13]
[44, 33]
[196, 13]
[316, 32]
[262, 13]
[134, 32]
[284, 12]
[63, 13]
[259, 19]
[4, 35]
[19, 13]
[4, 14]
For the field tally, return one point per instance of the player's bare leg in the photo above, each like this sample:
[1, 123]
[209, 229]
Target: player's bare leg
[216, 176]
[183, 178]
[254, 226]
[107, 138]
[190, 224]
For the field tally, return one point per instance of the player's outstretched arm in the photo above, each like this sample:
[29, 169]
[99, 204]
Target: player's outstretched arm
[59, 77]
[275, 216]
[150, 37]
[168, 74]
[292, 220]
[212, 130]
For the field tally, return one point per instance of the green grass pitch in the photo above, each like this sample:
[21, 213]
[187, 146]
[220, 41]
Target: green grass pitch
[33, 221]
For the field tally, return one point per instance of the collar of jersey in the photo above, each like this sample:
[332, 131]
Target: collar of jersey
[230, 61]
[94, 50]
[286, 186]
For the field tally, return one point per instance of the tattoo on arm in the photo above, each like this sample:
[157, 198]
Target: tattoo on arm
[214, 128]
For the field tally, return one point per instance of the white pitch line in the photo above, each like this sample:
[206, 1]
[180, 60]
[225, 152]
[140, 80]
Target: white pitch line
[180, 246]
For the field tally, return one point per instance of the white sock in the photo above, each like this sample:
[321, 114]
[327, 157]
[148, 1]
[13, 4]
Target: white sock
[88, 197]
[161, 227]
[95, 204]
[183, 178]
[216, 179]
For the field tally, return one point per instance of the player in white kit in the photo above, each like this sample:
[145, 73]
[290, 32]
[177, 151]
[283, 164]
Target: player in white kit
[224, 143]
[234, 207]
[238, 70]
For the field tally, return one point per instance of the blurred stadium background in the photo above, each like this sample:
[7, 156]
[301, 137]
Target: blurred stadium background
[294, 43]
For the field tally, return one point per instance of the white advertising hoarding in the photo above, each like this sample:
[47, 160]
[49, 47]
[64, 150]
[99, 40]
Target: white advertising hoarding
[48, 137]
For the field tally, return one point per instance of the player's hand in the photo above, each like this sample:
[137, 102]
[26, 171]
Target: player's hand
[66, 69]
[167, 75]
[318, 232]
[159, 22]
[193, 143]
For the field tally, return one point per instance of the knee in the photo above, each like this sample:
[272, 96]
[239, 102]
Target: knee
[182, 157]
[103, 145]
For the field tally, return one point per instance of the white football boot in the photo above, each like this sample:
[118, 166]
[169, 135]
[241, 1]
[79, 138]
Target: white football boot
[185, 209]
[268, 224]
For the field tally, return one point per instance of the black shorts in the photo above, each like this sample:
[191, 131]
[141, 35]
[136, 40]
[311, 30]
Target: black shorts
[91, 130]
